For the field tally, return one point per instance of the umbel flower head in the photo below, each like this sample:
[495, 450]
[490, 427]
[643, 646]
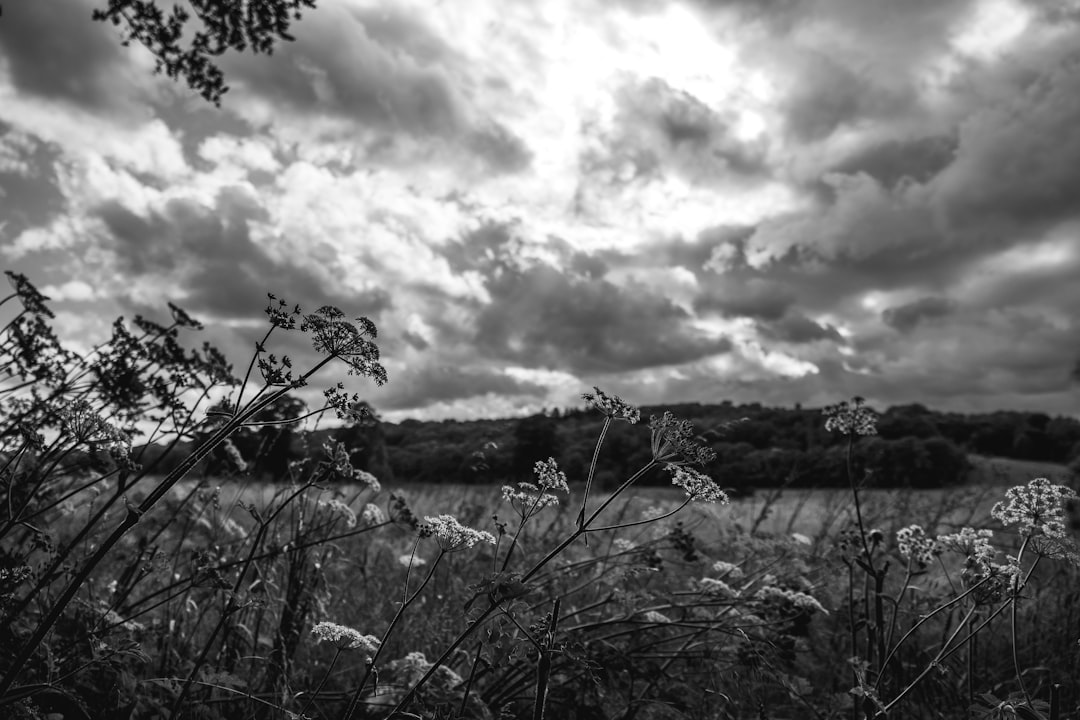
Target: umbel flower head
[673, 442]
[612, 406]
[333, 335]
[698, 486]
[1038, 508]
[345, 638]
[914, 545]
[451, 535]
[850, 418]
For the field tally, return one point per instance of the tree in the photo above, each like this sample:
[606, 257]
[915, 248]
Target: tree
[226, 24]
[535, 438]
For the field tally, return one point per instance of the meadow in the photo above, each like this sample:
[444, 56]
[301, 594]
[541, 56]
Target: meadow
[126, 592]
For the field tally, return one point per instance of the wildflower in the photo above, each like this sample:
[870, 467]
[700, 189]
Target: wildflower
[698, 486]
[335, 336]
[722, 567]
[801, 539]
[451, 535]
[337, 508]
[801, 600]
[87, 427]
[550, 477]
[848, 419]
[673, 442]
[527, 499]
[415, 665]
[612, 406]
[372, 514]
[1037, 507]
[32, 300]
[913, 544]
[656, 617]
[977, 550]
[623, 545]
[345, 638]
[401, 513]
[712, 586]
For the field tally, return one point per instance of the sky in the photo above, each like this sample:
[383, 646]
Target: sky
[774, 201]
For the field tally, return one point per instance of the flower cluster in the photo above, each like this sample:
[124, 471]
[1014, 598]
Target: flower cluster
[1038, 508]
[673, 442]
[86, 427]
[527, 498]
[712, 586]
[337, 508]
[612, 406]
[345, 638]
[32, 300]
[335, 336]
[451, 535]
[799, 599]
[550, 477]
[339, 467]
[850, 418]
[372, 514]
[975, 546]
[726, 569]
[698, 486]
[913, 544]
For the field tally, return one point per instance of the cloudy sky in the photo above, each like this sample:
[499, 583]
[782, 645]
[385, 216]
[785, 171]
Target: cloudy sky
[778, 201]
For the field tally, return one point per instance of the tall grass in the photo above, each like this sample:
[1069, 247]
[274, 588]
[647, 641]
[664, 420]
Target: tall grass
[134, 593]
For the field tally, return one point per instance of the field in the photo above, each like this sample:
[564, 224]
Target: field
[137, 592]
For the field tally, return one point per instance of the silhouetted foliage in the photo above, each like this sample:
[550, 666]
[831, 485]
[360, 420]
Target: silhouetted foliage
[225, 25]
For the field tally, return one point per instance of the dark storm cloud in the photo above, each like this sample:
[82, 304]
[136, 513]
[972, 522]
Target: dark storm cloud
[1019, 161]
[29, 192]
[660, 128]
[385, 71]
[225, 273]
[751, 295]
[54, 50]
[906, 317]
[798, 329]
[430, 385]
[541, 316]
[891, 161]
[830, 94]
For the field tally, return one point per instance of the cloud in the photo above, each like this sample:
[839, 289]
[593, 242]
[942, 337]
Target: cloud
[906, 317]
[209, 255]
[798, 329]
[660, 129]
[542, 316]
[54, 51]
[439, 384]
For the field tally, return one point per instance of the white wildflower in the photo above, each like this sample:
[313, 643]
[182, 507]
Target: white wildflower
[801, 600]
[337, 508]
[612, 406]
[801, 539]
[345, 638]
[656, 617]
[726, 569]
[550, 477]
[698, 486]
[913, 543]
[372, 514]
[850, 418]
[712, 586]
[623, 545]
[1038, 508]
[451, 535]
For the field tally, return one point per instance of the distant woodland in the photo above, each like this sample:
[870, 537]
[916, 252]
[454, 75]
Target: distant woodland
[768, 447]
